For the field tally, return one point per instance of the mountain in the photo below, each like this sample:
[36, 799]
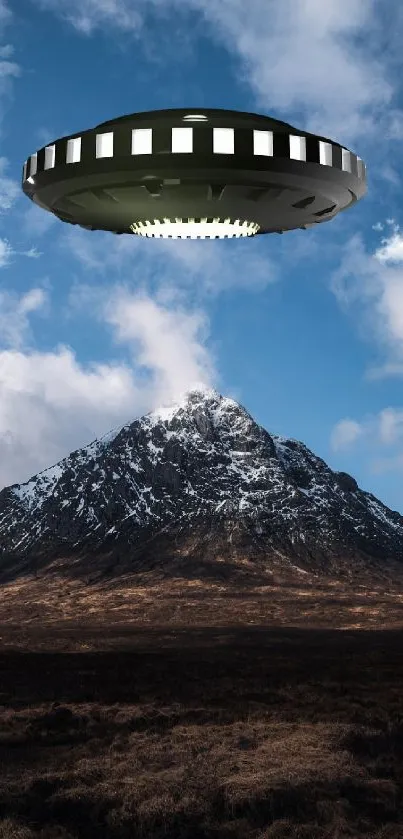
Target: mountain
[188, 486]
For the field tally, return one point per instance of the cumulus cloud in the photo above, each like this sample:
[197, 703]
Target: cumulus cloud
[203, 268]
[33, 253]
[392, 248]
[101, 251]
[5, 17]
[88, 15]
[50, 403]
[35, 221]
[14, 315]
[374, 282]
[6, 252]
[391, 426]
[383, 371]
[345, 433]
[9, 188]
[297, 55]
[168, 342]
[376, 432]
[9, 70]
[163, 335]
[389, 174]
[218, 266]
[387, 464]
[306, 54]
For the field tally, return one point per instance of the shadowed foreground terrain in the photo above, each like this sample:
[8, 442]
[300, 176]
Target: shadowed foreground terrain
[133, 723]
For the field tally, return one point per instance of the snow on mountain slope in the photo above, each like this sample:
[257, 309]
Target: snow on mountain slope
[203, 457]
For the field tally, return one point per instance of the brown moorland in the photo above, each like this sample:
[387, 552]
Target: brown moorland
[187, 709]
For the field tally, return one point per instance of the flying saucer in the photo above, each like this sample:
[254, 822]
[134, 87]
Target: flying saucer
[202, 173]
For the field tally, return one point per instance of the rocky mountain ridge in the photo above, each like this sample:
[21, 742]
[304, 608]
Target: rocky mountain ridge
[202, 466]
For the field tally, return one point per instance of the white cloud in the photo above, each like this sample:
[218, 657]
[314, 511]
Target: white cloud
[321, 58]
[8, 50]
[394, 127]
[220, 265]
[344, 433]
[390, 426]
[6, 252]
[307, 54]
[383, 371]
[382, 429]
[374, 282]
[389, 174]
[14, 315]
[5, 17]
[200, 267]
[376, 432]
[33, 253]
[9, 70]
[9, 188]
[103, 252]
[380, 465]
[35, 221]
[88, 15]
[392, 250]
[50, 403]
[168, 342]
[161, 333]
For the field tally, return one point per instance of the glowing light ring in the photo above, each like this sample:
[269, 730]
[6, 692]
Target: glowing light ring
[189, 228]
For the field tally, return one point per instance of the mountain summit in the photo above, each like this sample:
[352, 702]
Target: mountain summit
[196, 479]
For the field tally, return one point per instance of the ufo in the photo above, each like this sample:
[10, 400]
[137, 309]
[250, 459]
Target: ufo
[194, 174]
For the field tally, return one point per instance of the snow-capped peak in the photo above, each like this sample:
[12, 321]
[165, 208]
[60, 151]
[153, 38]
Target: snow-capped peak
[203, 455]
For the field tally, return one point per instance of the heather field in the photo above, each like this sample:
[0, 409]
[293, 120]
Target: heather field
[181, 710]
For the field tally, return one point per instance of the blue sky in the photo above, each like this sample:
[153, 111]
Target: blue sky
[304, 329]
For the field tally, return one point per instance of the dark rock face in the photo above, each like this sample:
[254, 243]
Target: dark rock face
[346, 482]
[202, 469]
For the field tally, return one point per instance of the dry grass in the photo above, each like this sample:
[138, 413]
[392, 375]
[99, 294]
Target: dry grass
[195, 733]
[208, 727]
[149, 599]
